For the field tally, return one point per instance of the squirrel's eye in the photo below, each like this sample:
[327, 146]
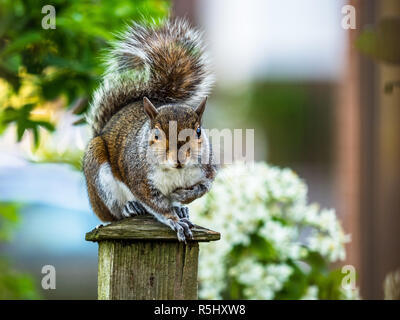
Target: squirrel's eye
[156, 134]
[198, 131]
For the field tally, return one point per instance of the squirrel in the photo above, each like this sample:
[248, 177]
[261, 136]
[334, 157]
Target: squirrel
[155, 86]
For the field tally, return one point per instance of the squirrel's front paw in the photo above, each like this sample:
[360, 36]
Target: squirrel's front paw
[181, 195]
[182, 229]
[183, 214]
[177, 195]
[133, 208]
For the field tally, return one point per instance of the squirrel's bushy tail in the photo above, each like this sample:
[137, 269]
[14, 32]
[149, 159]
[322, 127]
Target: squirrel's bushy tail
[166, 63]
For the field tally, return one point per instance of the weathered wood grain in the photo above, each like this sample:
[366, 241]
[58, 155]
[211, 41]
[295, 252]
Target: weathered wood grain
[145, 228]
[149, 270]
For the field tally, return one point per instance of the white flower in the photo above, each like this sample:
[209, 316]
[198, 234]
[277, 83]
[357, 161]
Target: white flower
[270, 204]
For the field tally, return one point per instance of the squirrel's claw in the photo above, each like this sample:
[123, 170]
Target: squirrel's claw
[188, 222]
[183, 214]
[134, 208]
[182, 230]
[186, 229]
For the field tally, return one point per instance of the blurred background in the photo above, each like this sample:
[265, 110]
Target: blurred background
[323, 100]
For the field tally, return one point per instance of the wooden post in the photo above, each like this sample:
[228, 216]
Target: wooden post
[140, 258]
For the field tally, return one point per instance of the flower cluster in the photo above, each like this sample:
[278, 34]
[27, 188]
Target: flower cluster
[274, 244]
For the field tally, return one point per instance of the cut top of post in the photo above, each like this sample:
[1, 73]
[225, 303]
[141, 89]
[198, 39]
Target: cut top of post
[145, 228]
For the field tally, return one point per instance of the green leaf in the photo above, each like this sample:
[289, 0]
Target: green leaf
[20, 131]
[27, 108]
[23, 122]
[47, 125]
[35, 136]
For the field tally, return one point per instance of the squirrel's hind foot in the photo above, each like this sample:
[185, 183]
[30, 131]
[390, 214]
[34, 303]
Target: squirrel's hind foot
[134, 208]
[182, 229]
[182, 212]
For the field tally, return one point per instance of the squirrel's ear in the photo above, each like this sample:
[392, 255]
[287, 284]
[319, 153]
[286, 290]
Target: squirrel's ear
[201, 107]
[149, 108]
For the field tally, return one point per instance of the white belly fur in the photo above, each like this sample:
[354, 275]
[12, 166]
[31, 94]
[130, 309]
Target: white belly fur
[168, 180]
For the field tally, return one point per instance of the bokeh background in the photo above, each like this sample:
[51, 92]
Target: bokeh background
[323, 101]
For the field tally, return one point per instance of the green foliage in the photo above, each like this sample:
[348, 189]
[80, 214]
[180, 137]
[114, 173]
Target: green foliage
[23, 121]
[62, 62]
[13, 285]
[8, 219]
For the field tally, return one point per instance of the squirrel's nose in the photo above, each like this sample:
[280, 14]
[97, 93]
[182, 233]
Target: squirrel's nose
[175, 162]
[179, 164]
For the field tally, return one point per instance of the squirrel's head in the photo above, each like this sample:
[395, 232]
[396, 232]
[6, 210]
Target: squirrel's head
[176, 137]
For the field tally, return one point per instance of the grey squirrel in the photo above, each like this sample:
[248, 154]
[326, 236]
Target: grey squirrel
[156, 83]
